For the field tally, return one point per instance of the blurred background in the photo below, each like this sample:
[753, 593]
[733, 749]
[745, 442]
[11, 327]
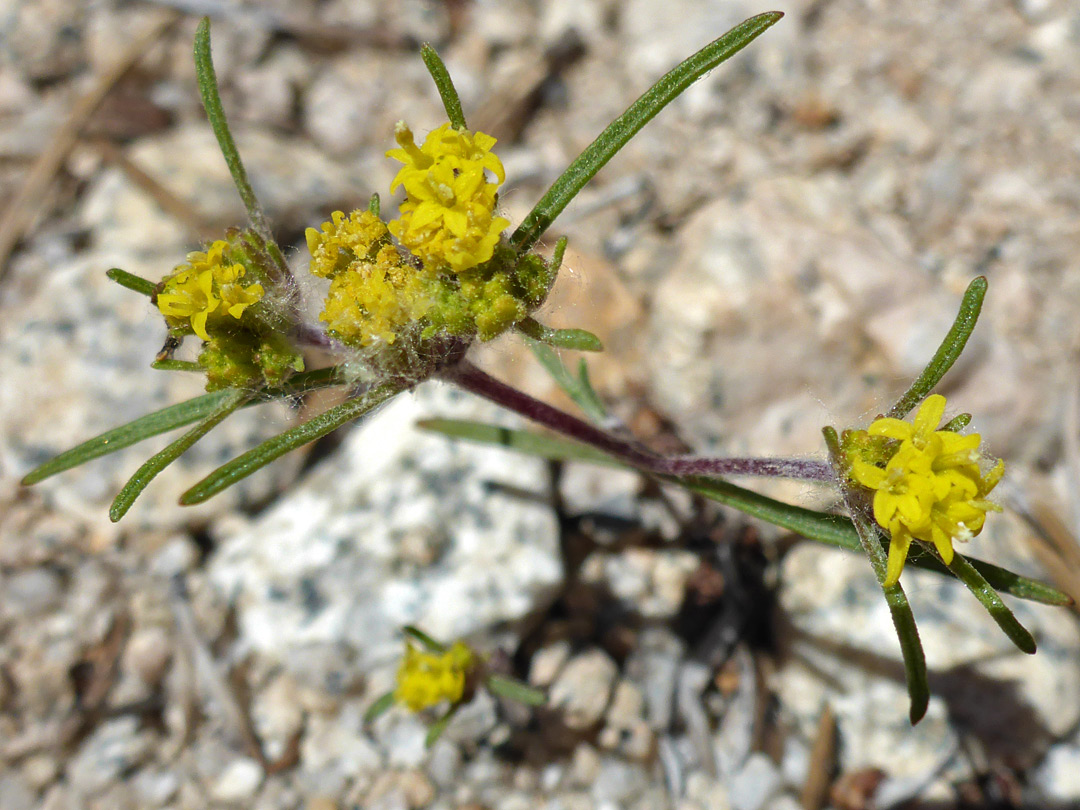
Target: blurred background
[782, 248]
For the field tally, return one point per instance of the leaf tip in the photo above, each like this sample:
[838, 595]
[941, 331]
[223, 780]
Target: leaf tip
[918, 709]
[192, 497]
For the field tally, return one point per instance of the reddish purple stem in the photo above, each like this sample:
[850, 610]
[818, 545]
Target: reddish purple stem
[471, 378]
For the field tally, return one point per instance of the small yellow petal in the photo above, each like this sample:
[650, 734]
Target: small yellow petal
[929, 416]
[898, 551]
[892, 428]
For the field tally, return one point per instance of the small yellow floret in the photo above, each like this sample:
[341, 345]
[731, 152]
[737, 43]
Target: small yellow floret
[931, 489]
[202, 286]
[448, 217]
[426, 679]
[343, 240]
[372, 301]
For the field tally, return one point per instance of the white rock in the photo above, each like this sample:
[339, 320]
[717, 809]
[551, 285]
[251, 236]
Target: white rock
[147, 655]
[238, 781]
[583, 688]
[115, 748]
[1058, 776]
[325, 565]
[756, 784]
[832, 596]
[617, 782]
[547, 662]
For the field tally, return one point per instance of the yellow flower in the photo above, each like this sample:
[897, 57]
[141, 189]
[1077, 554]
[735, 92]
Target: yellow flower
[374, 301]
[447, 219]
[343, 240]
[208, 283]
[932, 487]
[374, 295]
[426, 679]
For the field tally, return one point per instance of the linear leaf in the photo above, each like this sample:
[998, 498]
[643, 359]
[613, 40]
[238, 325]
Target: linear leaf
[132, 281]
[578, 389]
[177, 365]
[623, 128]
[439, 726]
[426, 640]
[578, 340]
[447, 92]
[515, 690]
[379, 707]
[947, 352]
[215, 113]
[990, 600]
[170, 418]
[159, 461]
[244, 465]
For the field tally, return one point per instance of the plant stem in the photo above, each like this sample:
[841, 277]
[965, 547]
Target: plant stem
[479, 382]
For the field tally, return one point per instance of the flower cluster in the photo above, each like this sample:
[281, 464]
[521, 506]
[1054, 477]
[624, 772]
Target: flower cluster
[426, 679]
[452, 274]
[223, 296]
[208, 285]
[928, 484]
[447, 218]
[373, 294]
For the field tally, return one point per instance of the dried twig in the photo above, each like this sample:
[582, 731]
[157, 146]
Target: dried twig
[212, 676]
[216, 680]
[25, 206]
[815, 792]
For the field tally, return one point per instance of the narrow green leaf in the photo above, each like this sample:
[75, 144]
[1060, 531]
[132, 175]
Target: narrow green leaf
[374, 204]
[131, 281]
[977, 584]
[439, 726]
[170, 418]
[379, 707]
[523, 441]
[555, 265]
[244, 465]
[447, 92]
[947, 353]
[159, 461]
[515, 690]
[623, 128]
[903, 619]
[579, 390]
[306, 381]
[832, 530]
[426, 640]
[215, 112]
[592, 402]
[176, 365]
[958, 422]
[577, 339]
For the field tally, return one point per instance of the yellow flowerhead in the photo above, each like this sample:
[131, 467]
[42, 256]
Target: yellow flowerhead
[448, 219]
[344, 240]
[426, 679]
[374, 294]
[375, 300]
[205, 285]
[931, 488]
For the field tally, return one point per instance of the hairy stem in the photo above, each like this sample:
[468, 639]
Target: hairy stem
[479, 382]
